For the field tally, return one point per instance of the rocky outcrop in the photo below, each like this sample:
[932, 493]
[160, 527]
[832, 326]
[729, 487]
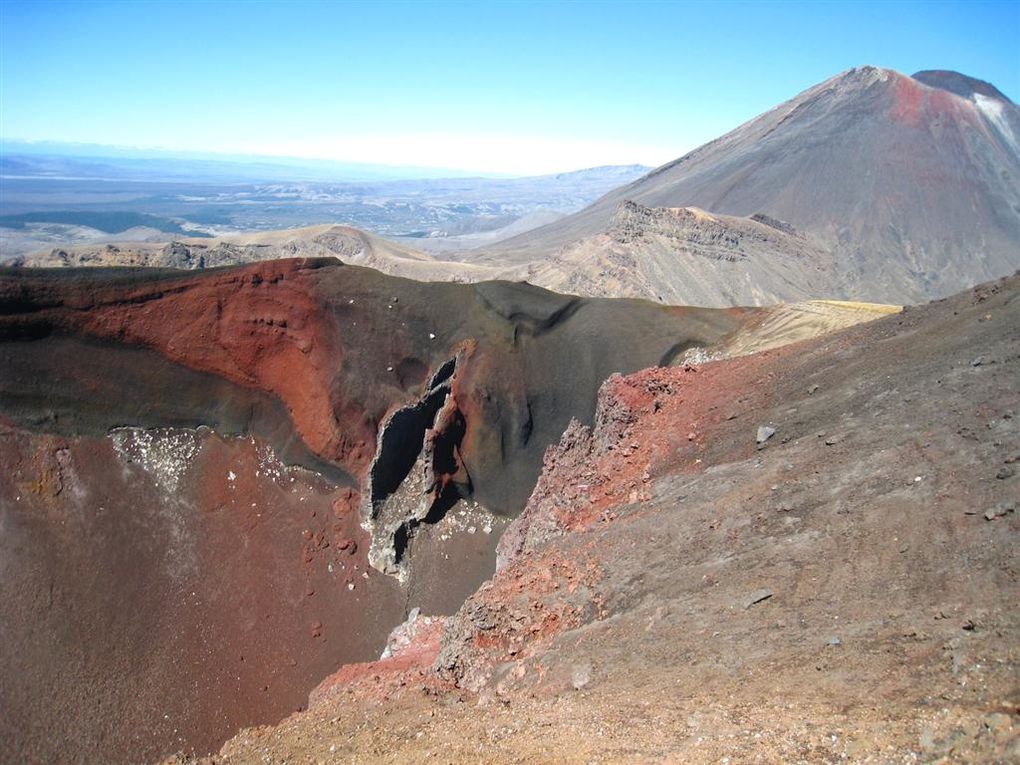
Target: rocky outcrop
[690, 230]
[689, 256]
[418, 472]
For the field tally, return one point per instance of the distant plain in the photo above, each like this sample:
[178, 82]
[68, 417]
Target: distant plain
[53, 200]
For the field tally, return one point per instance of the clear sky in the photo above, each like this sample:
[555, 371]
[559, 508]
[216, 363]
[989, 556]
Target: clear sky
[515, 88]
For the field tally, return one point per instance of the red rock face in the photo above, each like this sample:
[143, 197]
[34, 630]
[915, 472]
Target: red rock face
[657, 421]
[919, 107]
[261, 326]
[377, 680]
[909, 101]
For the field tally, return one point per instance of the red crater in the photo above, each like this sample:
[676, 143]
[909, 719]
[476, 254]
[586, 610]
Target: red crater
[190, 511]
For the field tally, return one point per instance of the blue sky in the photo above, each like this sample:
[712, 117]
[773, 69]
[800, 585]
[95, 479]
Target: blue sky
[501, 87]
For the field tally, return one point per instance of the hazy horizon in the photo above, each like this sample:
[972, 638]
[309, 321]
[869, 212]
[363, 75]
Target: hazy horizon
[506, 89]
[349, 170]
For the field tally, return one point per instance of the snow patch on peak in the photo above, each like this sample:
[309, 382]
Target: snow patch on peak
[995, 112]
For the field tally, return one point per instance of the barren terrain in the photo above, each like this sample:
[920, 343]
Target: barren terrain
[684, 587]
[226, 483]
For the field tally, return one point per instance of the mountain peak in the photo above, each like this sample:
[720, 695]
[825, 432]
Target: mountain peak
[907, 189]
[960, 84]
[861, 76]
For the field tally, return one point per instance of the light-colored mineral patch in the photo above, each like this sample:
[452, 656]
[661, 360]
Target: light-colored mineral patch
[164, 453]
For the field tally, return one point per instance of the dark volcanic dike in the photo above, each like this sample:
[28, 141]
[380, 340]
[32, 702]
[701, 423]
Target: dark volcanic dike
[193, 488]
